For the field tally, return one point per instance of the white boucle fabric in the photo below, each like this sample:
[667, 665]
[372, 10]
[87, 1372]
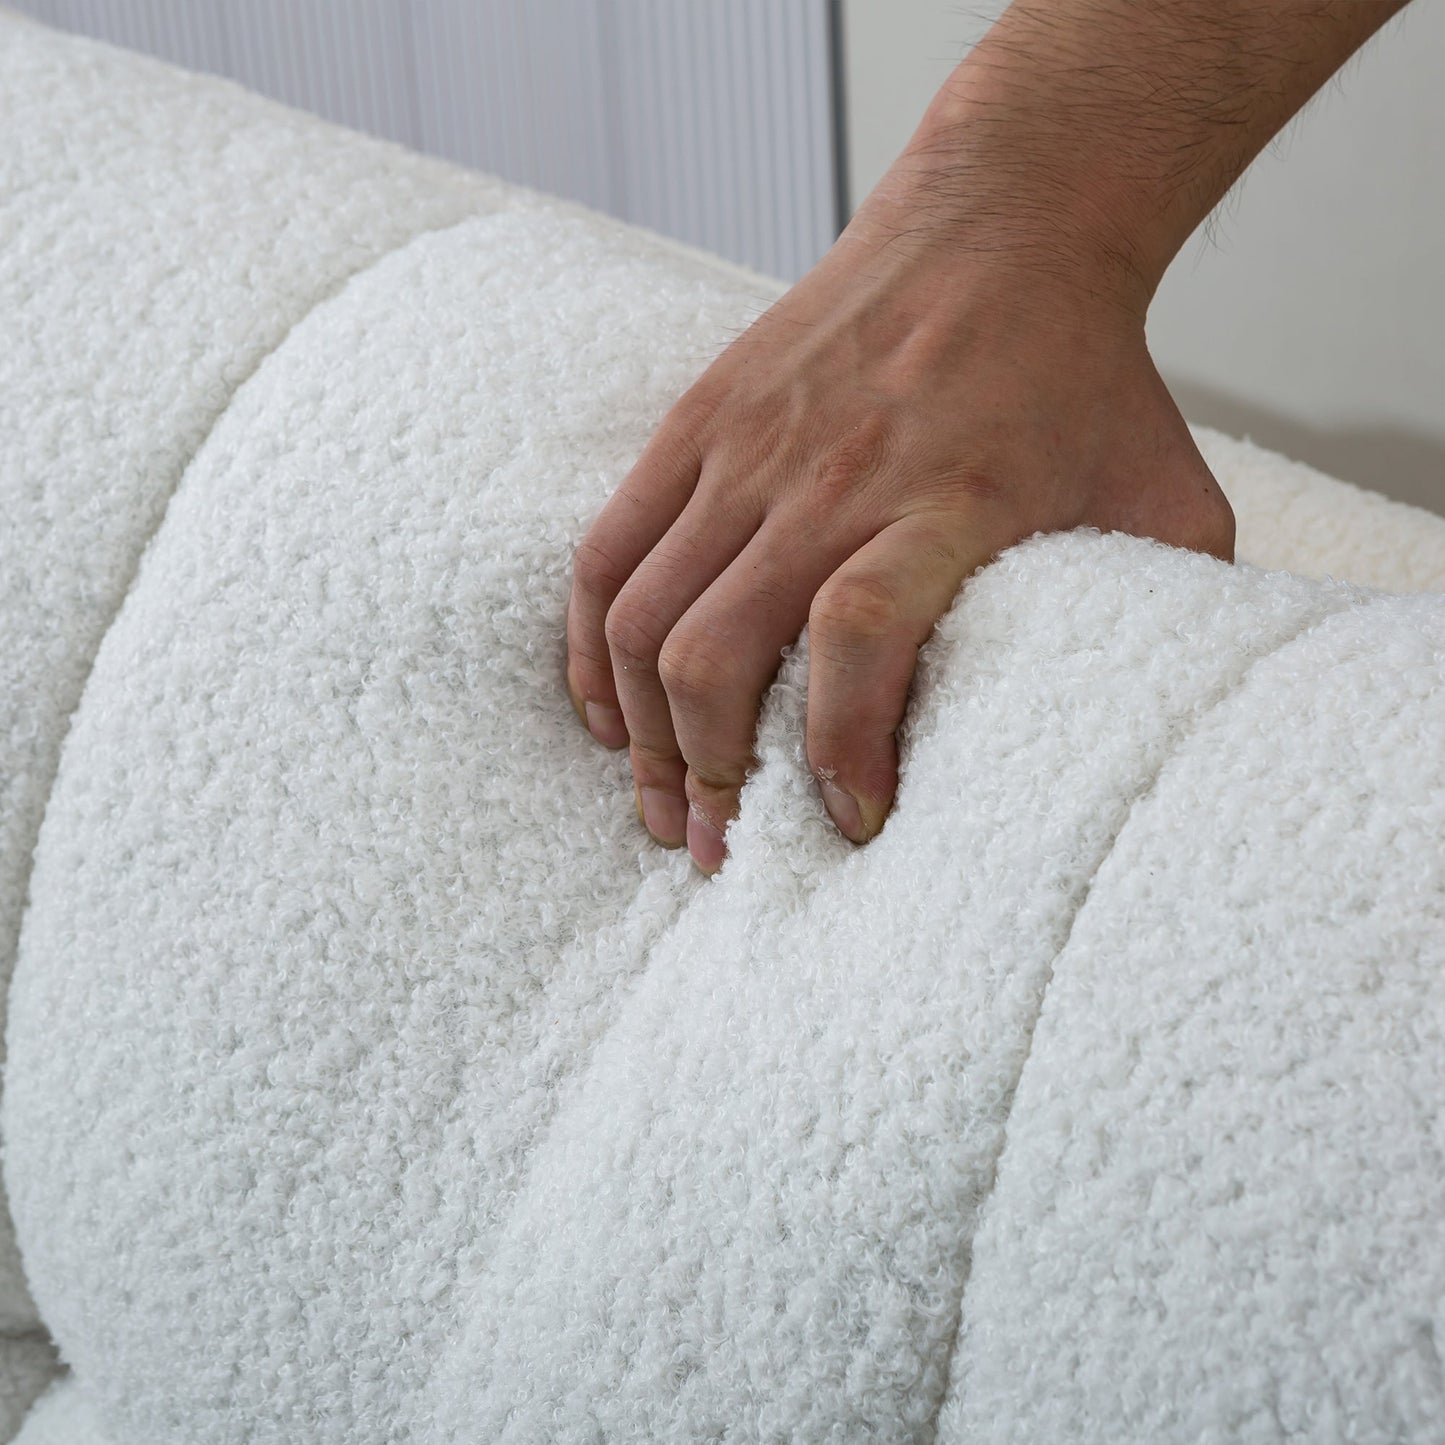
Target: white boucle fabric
[1218, 1214]
[1293, 517]
[159, 235]
[372, 1076]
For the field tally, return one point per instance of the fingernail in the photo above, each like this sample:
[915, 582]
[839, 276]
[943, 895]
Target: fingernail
[665, 815]
[576, 699]
[606, 725]
[704, 842]
[843, 809]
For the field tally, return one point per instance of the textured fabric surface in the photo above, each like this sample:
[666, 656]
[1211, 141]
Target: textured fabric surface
[373, 1077]
[159, 234]
[1218, 1215]
[1290, 516]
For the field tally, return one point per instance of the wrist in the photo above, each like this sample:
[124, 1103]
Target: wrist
[952, 210]
[1084, 140]
[1005, 169]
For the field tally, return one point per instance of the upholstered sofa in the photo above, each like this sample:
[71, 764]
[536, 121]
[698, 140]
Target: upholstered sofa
[371, 1076]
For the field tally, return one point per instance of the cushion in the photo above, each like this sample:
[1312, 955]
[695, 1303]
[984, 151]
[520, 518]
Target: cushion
[371, 1075]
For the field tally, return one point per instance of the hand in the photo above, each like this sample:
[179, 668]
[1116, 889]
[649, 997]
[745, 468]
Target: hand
[964, 368]
[891, 424]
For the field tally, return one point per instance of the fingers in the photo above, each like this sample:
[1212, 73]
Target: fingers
[720, 659]
[684, 595]
[636, 517]
[661, 661]
[865, 627]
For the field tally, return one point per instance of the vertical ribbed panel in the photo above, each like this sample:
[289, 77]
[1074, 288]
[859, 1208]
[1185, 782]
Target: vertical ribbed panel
[185, 32]
[351, 63]
[708, 120]
[517, 89]
[713, 105]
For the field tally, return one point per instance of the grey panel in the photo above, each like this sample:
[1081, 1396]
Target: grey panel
[516, 89]
[185, 32]
[351, 63]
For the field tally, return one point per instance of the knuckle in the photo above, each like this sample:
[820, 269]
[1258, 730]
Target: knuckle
[861, 608]
[633, 634]
[940, 547]
[654, 761]
[848, 461]
[713, 794]
[695, 408]
[594, 570]
[690, 671]
[670, 449]
[979, 482]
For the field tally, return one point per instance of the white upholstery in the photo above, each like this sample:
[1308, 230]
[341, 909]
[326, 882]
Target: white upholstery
[372, 1077]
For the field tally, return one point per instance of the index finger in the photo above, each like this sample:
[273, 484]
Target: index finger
[637, 516]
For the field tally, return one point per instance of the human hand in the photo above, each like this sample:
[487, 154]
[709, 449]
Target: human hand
[894, 421]
[966, 367]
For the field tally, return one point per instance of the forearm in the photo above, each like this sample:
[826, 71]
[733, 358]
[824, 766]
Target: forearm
[1086, 139]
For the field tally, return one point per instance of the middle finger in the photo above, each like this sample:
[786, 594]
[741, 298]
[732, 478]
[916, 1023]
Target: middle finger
[708, 534]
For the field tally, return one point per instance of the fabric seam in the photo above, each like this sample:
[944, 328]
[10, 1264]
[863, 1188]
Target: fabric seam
[183, 471]
[181, 474]
[1146, 792]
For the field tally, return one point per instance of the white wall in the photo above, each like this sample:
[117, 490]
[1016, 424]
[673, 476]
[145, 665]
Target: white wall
[896, 53]
[1315, 320]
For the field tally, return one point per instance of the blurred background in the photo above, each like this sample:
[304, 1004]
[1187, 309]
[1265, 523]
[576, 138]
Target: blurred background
[1307, 313]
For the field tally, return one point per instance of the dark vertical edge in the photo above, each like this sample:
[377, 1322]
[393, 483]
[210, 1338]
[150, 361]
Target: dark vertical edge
[838, 110]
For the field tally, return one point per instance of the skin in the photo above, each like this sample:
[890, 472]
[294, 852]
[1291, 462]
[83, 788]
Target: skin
[966, 366]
